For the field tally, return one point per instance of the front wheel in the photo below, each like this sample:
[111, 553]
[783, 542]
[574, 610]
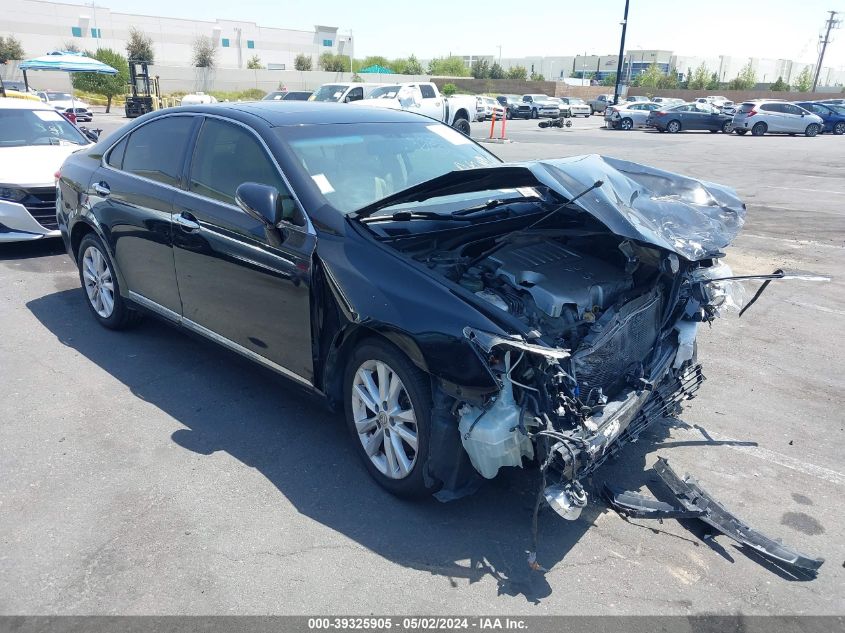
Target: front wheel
[839, 128]
[535, 114]
[811, 130]
[388, 409]
[98, 278]
[727, 127]
[626, 124]
[462, 126]
[673, 127]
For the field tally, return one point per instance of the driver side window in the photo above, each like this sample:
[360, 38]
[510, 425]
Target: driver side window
[356, 94]
[226, 156]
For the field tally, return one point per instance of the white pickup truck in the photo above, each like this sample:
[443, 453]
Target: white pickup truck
[424, 98]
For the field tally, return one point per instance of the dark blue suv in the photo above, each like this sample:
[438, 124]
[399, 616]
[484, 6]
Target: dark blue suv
[832, 115]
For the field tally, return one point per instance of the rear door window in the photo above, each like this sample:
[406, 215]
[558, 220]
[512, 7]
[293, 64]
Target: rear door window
[745, 108]
[427, 92]
[115, 158]
[156, 150]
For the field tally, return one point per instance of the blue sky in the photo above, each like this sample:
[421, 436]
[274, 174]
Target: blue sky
[786, 29]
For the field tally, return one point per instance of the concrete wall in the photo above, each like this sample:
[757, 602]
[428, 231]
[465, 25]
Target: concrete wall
[189, 79]
[736, 96]
[512, 86]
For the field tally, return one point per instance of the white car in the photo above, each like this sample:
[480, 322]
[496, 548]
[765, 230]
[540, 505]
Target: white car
[577, 107]
[34, 142]
[63, 102]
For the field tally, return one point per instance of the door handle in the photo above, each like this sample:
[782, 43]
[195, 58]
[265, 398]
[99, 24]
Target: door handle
[186, 221]
[101, 188]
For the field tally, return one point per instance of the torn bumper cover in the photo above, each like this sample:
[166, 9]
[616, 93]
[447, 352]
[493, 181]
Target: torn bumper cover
[694, 502]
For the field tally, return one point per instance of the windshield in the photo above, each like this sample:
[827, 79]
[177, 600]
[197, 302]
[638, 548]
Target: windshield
[838, 109]
[19, 128]
[355, 166]
[274, 96]
[58, 96]
[385, 92]
[329, 92]
[576, 102]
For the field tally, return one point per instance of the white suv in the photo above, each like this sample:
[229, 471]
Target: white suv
[34, 142]
[761, 117]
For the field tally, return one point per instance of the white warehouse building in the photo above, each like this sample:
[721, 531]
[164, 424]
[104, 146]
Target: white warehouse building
[44, 26]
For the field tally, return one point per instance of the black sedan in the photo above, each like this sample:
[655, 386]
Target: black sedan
[690, 116]
[466, 315]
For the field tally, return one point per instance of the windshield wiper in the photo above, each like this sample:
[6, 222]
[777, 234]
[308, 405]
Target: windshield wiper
[492, 204]
[405, 216]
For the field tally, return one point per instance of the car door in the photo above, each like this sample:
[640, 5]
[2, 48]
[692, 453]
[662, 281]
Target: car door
[355, 94]
[242, 284]
[432, 104]
[131, 195]
[795, 118]
[774, 117]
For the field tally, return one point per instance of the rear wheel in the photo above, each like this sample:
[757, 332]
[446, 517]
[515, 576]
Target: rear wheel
[811, 130]
[462, 126]
[839, 128]
[98, 278]
[388, 408]
[626, 124]
[673, 127]
[759, 129]
[727, 127]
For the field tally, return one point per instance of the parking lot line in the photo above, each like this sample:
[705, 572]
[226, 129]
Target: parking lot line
[838, 193]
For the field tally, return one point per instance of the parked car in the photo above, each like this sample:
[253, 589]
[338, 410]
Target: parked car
[313, 243]
[535, 106]
[35, 139]
[627, 116]
[600, 103]
[833, 116]
[423, 97]
[481, 109]
[288, 95]
[64, 102]
[510, 103]
[689, 116]
[576, 106]
[769, 116]
[667, 102]
[635, 98]
[727, 107]
[344, 92]
[17, 86]
[839, 102]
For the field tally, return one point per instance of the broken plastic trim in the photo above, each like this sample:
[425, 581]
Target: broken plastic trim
[695, 502]
[487, 341]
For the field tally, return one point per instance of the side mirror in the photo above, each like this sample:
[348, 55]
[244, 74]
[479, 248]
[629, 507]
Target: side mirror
[260, 202]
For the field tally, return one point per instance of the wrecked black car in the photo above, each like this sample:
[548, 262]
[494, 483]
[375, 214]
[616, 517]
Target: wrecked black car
[465, 314]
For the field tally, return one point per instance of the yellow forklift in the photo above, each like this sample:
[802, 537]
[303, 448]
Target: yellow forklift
[143, 94]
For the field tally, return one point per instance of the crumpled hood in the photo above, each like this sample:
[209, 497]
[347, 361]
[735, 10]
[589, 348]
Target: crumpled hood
[693, 218]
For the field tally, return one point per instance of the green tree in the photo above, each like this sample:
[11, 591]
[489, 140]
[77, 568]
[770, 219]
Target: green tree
[610, 80]
[204, 52]
[254, 63]
[303, 62]
[108, 86]
[413, 66]
[537, 77]
[139, 46]
[70, 47]
[804, 81]
[699, 78]
[449, 89]
[517, 72]
[10, 48]
[780, 85]
[713, 82]
[650, 77]
[496, 71]
[334, 63]
[669, 81]
[480, 69]
[745, 80]
[448, 67]
[377, 60]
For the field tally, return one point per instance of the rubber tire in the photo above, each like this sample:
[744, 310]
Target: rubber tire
[626, 124]
[759, 129]
[462, 126]
[839, 128]
[508, 116]
[713, 131]
[418, 386]
[812, 130]
[741, 132]
[122, 317]
[534, 113]
[727, 127]
[669, 125]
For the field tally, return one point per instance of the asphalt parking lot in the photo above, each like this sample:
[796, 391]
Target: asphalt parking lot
[147, 472]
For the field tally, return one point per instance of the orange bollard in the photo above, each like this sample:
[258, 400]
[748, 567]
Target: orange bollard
[504, 122]
[492, 123]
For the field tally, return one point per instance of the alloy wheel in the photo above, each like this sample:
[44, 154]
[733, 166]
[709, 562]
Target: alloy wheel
[99, 284]
[384, 418]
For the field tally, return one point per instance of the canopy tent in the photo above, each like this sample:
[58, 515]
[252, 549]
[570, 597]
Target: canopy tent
[376, 69]
[66, 62]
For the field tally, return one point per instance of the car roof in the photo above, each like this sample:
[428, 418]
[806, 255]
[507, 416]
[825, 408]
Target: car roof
[280, 113]
[13, 103]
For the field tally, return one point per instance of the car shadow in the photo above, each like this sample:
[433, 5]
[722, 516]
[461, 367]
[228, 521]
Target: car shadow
[227, 404]
[35, 248]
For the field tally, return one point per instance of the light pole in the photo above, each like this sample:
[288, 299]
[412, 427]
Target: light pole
[621, 55]
[499, 46]
[830, 23]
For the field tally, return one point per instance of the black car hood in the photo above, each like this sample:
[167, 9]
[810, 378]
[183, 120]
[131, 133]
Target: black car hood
[694, 218]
